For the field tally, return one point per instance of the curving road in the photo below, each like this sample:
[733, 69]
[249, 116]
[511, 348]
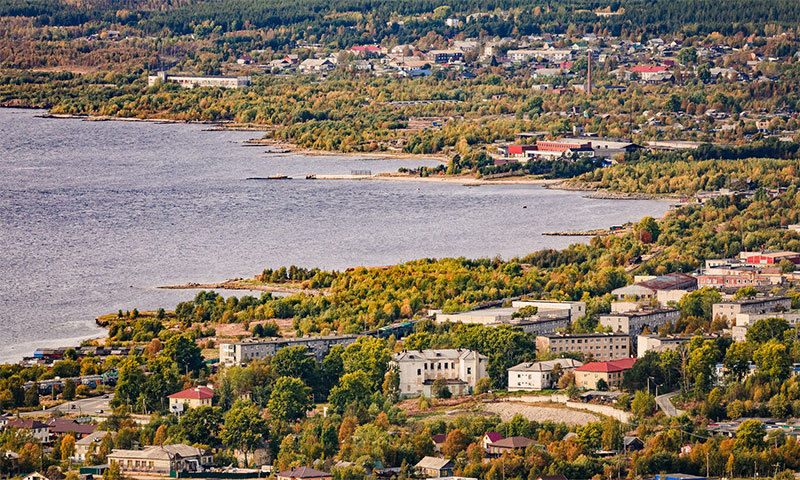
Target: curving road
[665, 404]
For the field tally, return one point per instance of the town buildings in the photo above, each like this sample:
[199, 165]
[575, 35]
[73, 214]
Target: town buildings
[191, 81]
[661, 290]
[550, 317]
[38, 430]
[89, 443]
[434, 467]
[242, 352]
[598, 346]
[161, 459]
[587, 376]
[760, 305]
[509, 445]
[538, 375]
[458, 369]
[634, 322]
[657, 343]
[191, 398]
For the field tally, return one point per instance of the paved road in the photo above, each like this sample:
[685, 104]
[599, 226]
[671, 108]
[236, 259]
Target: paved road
[86, 406]
[666, 405]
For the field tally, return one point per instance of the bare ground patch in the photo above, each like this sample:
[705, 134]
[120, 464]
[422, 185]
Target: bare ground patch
[507, 410]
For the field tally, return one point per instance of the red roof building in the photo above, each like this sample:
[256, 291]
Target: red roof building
[648, 69]
[193, 397]
[490, 437]
[587, 376]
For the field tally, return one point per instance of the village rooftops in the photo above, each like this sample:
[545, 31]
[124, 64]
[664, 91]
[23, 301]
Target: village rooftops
[195, 393]
[303, 472]
[438, 354]
[64, 425]
[26, 423]
[512, 443]
[755, 301]
[641, 313]
[547, 365]
[583, 335]
[159, 452]
[612, 366]
[434, 463]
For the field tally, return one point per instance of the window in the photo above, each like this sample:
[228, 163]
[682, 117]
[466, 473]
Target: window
[446, 365]
[469, 370]
[419, 372]
[425, 365]
[438, 366]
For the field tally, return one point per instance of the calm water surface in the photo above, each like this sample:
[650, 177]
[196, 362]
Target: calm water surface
[95, 215]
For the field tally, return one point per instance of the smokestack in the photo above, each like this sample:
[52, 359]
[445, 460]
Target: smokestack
[589, 74]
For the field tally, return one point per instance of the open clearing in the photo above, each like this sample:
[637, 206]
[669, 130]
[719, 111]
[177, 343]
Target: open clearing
[507, 410]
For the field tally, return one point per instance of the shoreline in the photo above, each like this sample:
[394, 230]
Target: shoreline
[241, 284]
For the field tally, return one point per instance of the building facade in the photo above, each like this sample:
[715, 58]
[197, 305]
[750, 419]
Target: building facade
[460, 369]
[240, 353]
[611, 373]
[161, 459]
[599, 346]
[192, 398]
[538, 375]
[634, 322]
[729, 310]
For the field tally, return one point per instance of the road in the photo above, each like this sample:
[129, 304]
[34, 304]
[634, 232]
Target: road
[86, 406]
[665, 404]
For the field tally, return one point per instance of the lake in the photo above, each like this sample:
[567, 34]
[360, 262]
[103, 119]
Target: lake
[95, 215]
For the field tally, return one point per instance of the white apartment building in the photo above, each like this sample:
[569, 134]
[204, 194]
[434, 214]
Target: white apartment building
[460, 369]
[538, 375]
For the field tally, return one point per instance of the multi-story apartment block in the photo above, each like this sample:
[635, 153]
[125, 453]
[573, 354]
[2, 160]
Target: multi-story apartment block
[240, 353]
[634, 322]
[728, 310]
[598, 346]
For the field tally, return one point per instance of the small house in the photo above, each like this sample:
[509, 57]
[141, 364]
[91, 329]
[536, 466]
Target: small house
[434, 467]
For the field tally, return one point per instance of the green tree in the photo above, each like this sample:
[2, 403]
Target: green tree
[244, 428]
[643, 404]
[290, 399]
[737, 360]
[750, 434]
[773, 360]
[701, 364]
[130, 380]
[295, 362]
[699, 303]
[201, 425]
[69, 390]
[766, 329]
[591, 436]
[184, 352]
[371, 356]
[354, 388]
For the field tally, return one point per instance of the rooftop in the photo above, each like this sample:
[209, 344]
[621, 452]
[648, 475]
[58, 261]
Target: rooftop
[196, 393]
[612, 366]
